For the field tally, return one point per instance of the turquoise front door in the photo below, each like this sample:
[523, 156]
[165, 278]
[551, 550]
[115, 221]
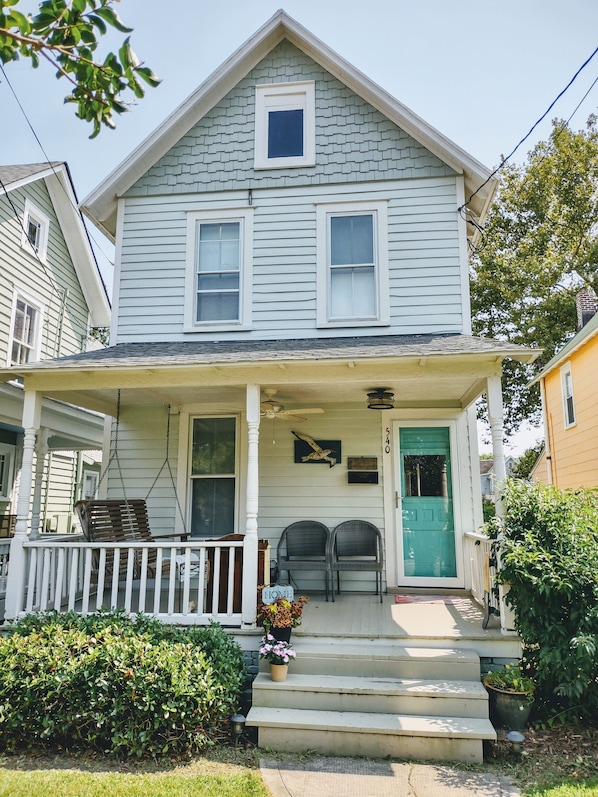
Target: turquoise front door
[425, 503]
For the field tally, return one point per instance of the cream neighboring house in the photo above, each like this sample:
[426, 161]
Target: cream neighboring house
[51, 294]
[568, 390]
[291, 340]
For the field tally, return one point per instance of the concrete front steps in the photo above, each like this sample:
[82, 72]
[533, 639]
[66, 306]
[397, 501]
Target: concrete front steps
[375, 699]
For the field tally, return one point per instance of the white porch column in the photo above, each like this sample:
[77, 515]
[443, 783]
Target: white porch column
[41, 452]
[15, 587]
[250, 552]
[496, 419]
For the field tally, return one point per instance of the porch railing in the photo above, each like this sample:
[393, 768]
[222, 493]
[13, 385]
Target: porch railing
[190, 583]
[479, 554]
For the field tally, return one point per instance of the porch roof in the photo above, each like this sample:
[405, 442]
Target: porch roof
[170, 355]
[452, 367]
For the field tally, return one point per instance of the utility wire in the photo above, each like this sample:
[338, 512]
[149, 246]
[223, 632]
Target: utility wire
[55, 287]
[544, 115]
[48, 161]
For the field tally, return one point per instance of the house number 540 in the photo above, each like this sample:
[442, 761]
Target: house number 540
[387, 441]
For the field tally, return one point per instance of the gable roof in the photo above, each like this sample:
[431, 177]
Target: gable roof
[585, 334]
[101, 204]
[61, 190]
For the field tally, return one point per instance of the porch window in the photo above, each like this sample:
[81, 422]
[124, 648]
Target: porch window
[6, 464]
[284, 125]
[568, 401]
[213, 476]
[219, 269]
[352, 265]
[35, 231]
[24, 344]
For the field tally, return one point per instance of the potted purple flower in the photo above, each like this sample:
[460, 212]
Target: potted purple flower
[278, 654]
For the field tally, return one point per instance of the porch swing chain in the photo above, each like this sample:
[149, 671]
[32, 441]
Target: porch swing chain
[114, 454]
[166, 464]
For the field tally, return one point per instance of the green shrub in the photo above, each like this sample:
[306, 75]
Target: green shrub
[128, 687]
[549, 556]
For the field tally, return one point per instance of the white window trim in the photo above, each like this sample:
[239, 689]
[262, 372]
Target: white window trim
[324, 211]
[188, 419]
[244, 216]
[93, 476]
[9, 451]
[268, 97]
[41, 312]
[31, 211]
[566, 371]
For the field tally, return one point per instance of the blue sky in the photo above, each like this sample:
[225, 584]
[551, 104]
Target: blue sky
[480, 72]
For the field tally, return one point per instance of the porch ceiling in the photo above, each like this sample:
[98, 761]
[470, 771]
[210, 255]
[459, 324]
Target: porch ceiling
[422, 371]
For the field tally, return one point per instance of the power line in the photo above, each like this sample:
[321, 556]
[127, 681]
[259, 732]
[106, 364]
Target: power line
[49, 162]
[55, 287]
[544, 115]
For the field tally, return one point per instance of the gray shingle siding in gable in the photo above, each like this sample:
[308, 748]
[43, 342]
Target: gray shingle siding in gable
[354, 141]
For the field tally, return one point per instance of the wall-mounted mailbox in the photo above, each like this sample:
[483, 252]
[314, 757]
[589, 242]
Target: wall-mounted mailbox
[362, 470]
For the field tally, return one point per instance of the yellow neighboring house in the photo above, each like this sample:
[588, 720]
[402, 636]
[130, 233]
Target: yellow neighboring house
[569, 403]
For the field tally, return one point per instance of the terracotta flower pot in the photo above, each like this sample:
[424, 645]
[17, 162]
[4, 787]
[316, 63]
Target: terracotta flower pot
[278, 672]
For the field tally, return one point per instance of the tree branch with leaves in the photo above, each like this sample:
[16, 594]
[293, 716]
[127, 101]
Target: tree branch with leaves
[67, 33]
[540, 247]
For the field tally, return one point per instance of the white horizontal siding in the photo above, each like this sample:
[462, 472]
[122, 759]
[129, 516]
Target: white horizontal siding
[141, 453]
[423, 247]
[65, 323]
[292, 491]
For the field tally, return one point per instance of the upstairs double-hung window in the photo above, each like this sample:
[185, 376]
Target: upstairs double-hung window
[352, 264]
[219, 269]
[25, 332]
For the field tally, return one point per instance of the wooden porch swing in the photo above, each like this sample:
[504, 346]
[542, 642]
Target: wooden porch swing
[126, 519]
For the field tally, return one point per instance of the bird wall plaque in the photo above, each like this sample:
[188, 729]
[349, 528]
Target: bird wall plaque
[315, 451]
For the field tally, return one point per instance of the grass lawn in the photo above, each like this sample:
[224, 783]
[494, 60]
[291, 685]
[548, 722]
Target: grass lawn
[587, 789]
[558, 762]
[65, 776]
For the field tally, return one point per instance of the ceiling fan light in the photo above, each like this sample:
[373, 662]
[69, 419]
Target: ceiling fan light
[381, 399]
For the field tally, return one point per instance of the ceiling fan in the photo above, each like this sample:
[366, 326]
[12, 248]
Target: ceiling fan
[270, 408]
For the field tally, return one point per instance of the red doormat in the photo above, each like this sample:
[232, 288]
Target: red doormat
[428, 599]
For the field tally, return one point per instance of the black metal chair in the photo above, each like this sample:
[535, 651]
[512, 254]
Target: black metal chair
[356, 545]
[304, 545]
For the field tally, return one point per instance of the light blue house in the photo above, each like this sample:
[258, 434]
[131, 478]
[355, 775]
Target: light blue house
[51, 295]
[292, 257]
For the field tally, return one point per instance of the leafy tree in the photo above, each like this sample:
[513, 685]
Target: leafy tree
[66, 33]
[540, 246]
[523, 467]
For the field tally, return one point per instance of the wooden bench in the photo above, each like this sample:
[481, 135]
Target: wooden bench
[121, 520]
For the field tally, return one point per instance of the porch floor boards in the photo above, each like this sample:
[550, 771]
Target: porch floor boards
[456, 624]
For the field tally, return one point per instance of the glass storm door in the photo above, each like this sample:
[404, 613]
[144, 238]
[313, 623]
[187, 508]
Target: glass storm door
[426, 503]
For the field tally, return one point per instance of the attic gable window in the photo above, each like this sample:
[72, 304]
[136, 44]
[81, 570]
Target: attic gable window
[284, 125]
[35, 231]
[219, 254]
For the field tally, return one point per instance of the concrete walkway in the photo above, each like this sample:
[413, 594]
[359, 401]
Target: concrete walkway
[345, 777]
